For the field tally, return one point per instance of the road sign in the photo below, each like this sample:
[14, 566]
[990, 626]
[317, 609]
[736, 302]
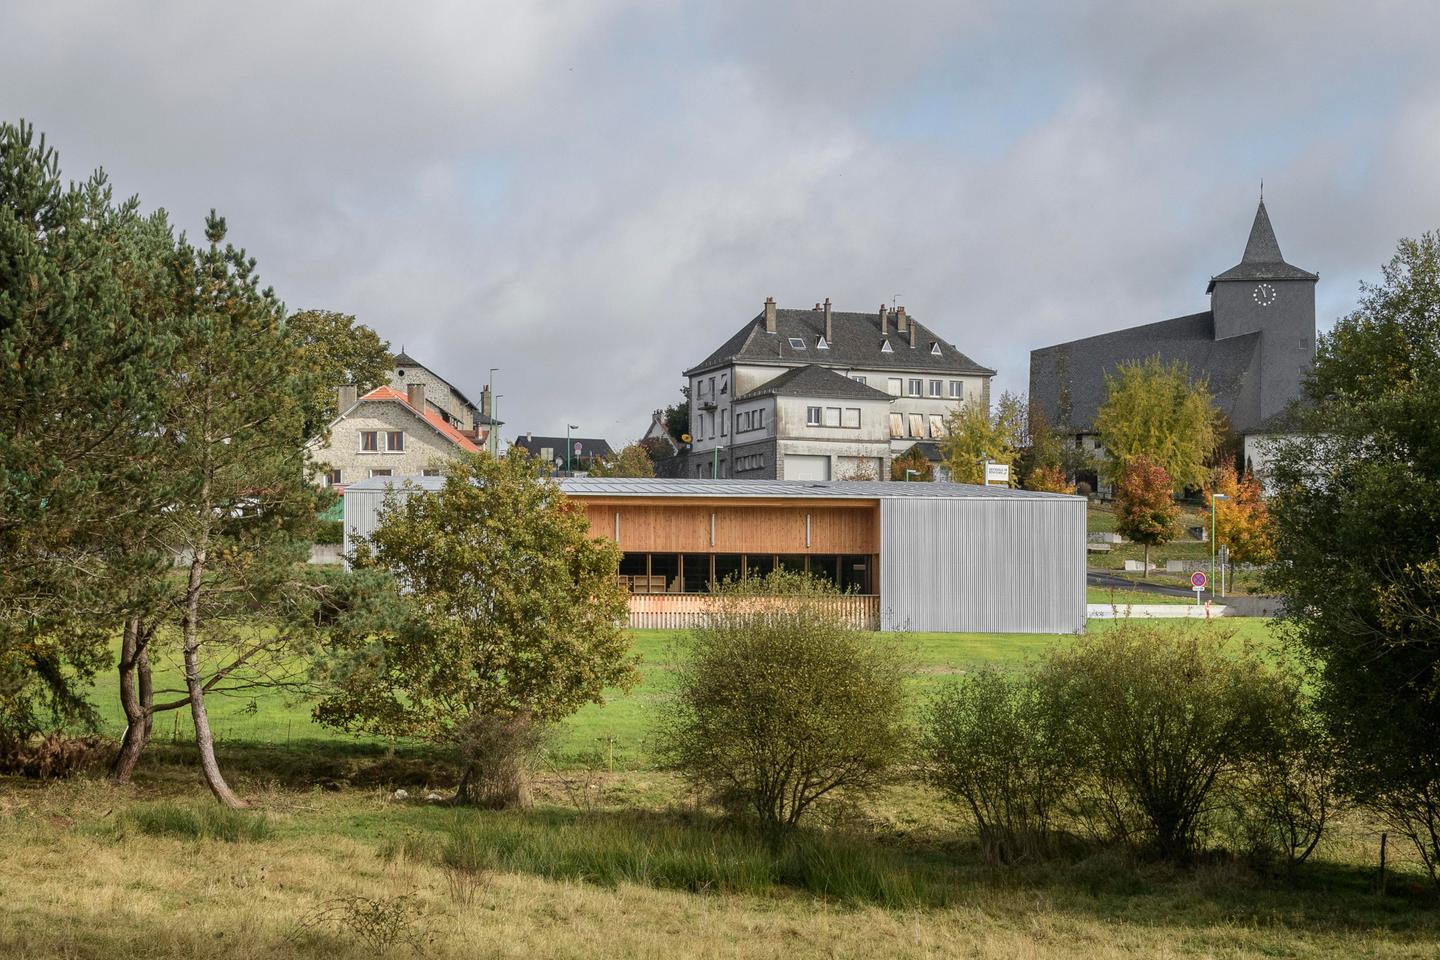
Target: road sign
[1197, 580]
[577, 448]
[997, 475]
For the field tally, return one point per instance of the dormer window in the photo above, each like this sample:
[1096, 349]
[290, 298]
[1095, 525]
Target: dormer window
[935, 348]
[797, 344]
[820, 343]
[885, 347]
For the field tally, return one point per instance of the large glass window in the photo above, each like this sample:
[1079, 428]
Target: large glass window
[826, 567]
[664, 573]
[855, 573]
[633, 565]
[696, 575]
[759, 564]
[793, 563]
[727, 567]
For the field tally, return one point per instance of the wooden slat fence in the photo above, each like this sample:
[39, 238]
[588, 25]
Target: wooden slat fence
[661, 611]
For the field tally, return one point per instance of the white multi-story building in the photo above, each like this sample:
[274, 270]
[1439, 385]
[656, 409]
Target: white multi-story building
[820, 395]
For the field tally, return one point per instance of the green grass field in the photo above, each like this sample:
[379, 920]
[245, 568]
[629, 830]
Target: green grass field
[618, 859]
[617, 730]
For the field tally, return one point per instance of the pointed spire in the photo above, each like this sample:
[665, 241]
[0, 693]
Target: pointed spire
[1262, 247]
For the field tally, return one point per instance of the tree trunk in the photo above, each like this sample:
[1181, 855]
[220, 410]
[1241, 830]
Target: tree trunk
[137, 698]
[204, 740]
[1145, 573]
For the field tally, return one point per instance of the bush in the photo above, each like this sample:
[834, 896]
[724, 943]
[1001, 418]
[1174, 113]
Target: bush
[498, 755]
[779, 702]
[54, 756]
[330, 531]
[1001, 746]
[1164, 718]
[1287, 795]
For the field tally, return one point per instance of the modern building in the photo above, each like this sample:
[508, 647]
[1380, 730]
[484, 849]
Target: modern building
[824, 395]
[1254, 346]
[386, 433]
[919, 556]
[583, 451]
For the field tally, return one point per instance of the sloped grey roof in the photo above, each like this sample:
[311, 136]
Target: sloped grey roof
[815, 381]
[1231, 366]
[689, 487]
[403, 359]
[588, 447]
[1262, 259]
[857, 343]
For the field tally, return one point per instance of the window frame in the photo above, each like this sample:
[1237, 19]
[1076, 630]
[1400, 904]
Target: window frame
[390, 436]
[957, 389]
[369, 441]
[914, 386]
[937, 388]
[814, 416]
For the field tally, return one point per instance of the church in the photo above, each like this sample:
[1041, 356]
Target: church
[1254, 346]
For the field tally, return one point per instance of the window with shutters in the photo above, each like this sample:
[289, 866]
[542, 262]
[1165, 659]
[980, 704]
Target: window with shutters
[897, 425]
[917, 425]
[832, 416]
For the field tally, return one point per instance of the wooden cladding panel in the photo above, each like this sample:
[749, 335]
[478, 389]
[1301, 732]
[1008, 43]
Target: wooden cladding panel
[661, 528]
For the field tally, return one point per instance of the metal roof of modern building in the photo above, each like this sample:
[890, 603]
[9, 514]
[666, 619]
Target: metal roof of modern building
[799, 489]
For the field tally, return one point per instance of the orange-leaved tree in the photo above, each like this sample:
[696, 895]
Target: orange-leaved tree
[1048, 480]
[1147, 510]
[1242, 524]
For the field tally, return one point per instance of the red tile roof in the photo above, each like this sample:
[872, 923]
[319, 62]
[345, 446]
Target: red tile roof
[431, 417]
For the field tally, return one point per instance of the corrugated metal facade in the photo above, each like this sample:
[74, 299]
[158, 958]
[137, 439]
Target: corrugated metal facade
[952, 557]
[984, 564]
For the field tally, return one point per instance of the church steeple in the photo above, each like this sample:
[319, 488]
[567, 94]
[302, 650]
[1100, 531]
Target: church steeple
[1262, 259]
[1262, 247]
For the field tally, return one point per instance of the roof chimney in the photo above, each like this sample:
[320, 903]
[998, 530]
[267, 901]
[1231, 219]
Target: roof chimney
[486, 403]
[345, 398]
[912, 327]
[884, 320]
[415, 393]
[769, 314]
[829, 322]
[900, 320]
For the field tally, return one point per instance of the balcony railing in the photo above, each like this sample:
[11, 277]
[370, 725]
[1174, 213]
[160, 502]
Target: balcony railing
[670, 611]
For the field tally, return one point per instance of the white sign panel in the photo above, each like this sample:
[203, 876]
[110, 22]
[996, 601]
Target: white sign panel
[997, 475]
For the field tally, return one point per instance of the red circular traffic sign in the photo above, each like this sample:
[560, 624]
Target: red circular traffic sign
[1197, 580]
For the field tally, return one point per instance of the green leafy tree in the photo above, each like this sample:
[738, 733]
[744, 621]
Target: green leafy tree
[1155, 410]
[336, 351]
[632, 461]
[1146, 511]
[975, 436]
[779, 702]
[511, 610]
[85, 339]
[1356, 507]
[677, 416]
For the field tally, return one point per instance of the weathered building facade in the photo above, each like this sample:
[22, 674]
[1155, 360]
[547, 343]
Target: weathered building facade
[821, 394]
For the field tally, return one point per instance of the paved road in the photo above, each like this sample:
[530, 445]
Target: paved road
[1252, 606]
[1107, 579]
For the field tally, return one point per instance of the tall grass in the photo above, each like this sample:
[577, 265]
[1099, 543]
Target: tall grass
[207, 822]
[676, 854]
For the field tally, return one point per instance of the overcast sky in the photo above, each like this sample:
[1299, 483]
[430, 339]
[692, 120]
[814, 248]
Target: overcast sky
[592, 196]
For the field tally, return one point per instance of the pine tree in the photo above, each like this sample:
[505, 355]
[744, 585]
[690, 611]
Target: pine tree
[85, 340]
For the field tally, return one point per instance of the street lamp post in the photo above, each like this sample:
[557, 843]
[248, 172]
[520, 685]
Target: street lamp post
[1213, 498]
[911, 473]
[490, 441]
[568, 428]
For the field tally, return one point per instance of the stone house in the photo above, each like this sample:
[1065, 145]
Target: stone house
[386, 433]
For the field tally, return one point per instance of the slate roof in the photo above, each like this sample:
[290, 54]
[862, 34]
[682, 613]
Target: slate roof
[429, 416]
[403, 359]
[857, 342]
[1262, 259]
[1232, 365]
[813, 380]
[589, 447]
